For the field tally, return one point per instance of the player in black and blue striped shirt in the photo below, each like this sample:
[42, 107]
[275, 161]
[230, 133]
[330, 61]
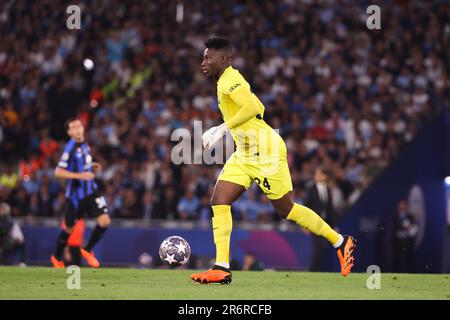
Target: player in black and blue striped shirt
[82, 195]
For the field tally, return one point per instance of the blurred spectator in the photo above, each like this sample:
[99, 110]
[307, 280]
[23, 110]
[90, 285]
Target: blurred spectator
[20, 202]
[405, 237]
[9, 178]
[146, 261]
[12, 241]
[319, 199]
[167, 205]
[248, 206]
[188, 206]
[353, 170]
[204, 211]
[131, 207]
[266, 212]
[251, 263]
[148, 206]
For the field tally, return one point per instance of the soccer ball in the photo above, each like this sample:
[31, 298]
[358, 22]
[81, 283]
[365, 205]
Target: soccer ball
[175, 251]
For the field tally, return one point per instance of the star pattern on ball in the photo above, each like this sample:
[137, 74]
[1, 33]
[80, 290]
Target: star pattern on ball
[170, 258]
[181, 247]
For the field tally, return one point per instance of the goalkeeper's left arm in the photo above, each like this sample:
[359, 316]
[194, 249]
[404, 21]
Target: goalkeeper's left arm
[248, 108]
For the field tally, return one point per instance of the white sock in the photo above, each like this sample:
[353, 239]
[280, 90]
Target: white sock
[339, 242]
[223, 264]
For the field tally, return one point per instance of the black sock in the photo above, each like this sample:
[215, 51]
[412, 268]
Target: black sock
[216, 267]
[76, 255]
[95, 237]
[61, 244]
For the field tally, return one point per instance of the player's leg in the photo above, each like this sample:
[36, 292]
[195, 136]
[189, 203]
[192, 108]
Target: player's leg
[308, 219]
[75, 253]
[305, 217]
[70, 215]
[274, 179]
[224, 194]
[103, 222]
[232, 182]
[96, 205]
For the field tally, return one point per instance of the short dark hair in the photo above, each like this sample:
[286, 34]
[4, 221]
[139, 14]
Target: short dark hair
[218, 43]
[69, 121]
[325, 170]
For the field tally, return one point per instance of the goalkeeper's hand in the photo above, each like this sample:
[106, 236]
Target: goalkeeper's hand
[211, 136]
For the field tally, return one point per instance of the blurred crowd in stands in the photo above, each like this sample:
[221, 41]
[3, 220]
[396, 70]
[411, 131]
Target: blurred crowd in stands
[342, 96]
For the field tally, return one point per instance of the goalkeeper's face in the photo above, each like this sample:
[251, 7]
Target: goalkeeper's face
[212, 62]
[76, 131]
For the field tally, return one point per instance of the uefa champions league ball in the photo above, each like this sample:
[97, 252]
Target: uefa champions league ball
[175, 251]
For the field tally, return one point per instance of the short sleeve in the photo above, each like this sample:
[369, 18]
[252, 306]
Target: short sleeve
[65, 157]
[64, 161]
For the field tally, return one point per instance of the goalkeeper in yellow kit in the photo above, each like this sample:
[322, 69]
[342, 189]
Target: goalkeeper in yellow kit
[260, 157]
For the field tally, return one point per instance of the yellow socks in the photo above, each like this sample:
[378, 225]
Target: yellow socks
[311, 221]
[222, 224]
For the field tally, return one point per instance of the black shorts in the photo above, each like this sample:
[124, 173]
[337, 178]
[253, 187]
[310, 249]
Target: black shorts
[93, 205]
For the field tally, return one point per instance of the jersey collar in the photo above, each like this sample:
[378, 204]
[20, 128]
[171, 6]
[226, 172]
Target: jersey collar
[77, 143]
[225, 71]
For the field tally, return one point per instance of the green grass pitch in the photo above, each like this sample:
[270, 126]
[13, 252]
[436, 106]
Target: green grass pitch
[104, 283]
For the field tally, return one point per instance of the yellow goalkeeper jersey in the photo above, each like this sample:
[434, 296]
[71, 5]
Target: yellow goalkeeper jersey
[253, 137]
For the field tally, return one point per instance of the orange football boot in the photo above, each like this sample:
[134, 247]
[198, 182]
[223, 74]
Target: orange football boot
[90, 258]
[58, 264]
[214, 275]
[345, 254]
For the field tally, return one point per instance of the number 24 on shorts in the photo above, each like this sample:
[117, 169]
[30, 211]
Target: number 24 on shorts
[265, 183]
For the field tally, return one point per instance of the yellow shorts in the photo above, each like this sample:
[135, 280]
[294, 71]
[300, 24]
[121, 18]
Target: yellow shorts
[270, 173]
